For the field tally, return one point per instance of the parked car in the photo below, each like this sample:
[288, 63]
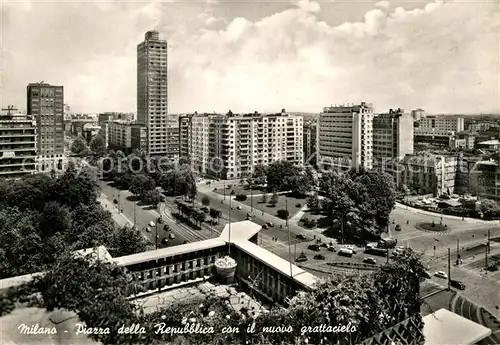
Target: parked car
[324, 245]
[166, 241]
[314, 247]
[371, 261]
[271, 225]
[457, 284]
[152, 224]
[302, 257]
[301, 236]
[264, 226]
[148, 229]
[441, 274]
[319, 257]
[171, 236]
[159, 221]
[330, 248]
[166, 227]
[238, 207]
[345, 252]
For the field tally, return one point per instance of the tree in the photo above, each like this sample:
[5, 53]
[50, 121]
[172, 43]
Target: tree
[179, 181]
[283, 214]
[490, 208]
[313, 203]
[214, 214]
[205, 201]
[259, 174]
[278, 175]
[98, 146]
[152, 197]
[141, 183]
[73, 189]
[264, 198]
[274, 199]
[79, 147]
[54, 219]
[126, 241]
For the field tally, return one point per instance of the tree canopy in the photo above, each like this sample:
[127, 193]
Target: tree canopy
[79, 147]
[98, 146]
[358, 204]
[40, 217]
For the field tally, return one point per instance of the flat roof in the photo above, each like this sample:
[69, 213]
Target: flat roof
[169, 251]
[446, 327]
[489, 142]
[279, 264]
[240, 231]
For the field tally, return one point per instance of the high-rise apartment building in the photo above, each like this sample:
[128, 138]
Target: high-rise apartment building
[392, 137]
[18, 136]
[229, 146]
[417, 114]
[152, 96]
[125, 136]
[345, 137]
[46, 104]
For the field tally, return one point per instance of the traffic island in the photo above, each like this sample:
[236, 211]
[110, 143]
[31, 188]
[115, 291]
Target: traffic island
[432, 227]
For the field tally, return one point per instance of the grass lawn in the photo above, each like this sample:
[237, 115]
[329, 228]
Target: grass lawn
[293, 202]
[432, 227]
[238, 189]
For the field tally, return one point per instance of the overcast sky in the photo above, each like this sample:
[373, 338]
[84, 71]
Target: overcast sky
[264, 56]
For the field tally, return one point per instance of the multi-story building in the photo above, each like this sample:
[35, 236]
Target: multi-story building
[229, 146]
[46, 104]
[125, 136]
[427, 173]
[114, 116]
[17, 145]
[152, 96]
[469, 137]
[439, 123]
[484, 179]
[392, 137]
[417, 114]
[345, 137]
[309, 144]
[434, 138]
[104, 132]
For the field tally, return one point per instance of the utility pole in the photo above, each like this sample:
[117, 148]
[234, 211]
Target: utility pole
[156, 235]
[251, 197]
[488, 244]
[119, 203]
[289, 244]
[229, 233]
[486, 257]
[458, 251]
[449, 269]
[135, 214]
[286, 212]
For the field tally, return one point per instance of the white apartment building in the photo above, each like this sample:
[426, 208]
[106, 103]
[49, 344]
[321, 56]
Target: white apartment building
[119, 134]
[440, 123]
[152, 97]
[392, 136]
[229, 146]
[345, 137]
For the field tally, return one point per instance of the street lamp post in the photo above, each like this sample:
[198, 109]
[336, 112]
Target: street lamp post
[156, 236]
[449, 269]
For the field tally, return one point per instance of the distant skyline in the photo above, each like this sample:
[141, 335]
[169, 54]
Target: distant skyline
[441, 56]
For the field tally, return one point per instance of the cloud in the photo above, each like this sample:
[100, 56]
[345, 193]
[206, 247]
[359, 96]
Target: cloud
[383, 4]
[309, 6]
[442, 57]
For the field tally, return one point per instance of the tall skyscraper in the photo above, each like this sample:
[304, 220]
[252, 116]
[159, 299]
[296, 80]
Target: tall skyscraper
[46, 104]
[345, 137]
[152, 97]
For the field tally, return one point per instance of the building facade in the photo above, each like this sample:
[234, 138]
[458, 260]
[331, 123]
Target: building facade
[18, 151]
[152, 96]
[345, 137]
[484, 179]
[114, 116]
[417, 114]
[229, 146]
[428, 174]
[309, 143]
[46, 104]
[392, 137]
[138, 137]
[434, 138]
[125, 136]
[440, 123]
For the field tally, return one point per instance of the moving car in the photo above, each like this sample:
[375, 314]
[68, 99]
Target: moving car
[152, 224]
[264, 226]
[387, 243]
[330, 248]
[371, 261]
[249, 218]
[301, 236]
[171, 236]
[441, 274]
[270, 224]
[302, 257]
[426, 275]
[166, 241]
[319, 257]
[314, 247]
[166, 227]
[159, 221]
[238, 207]
[148, 229]
[457, 284]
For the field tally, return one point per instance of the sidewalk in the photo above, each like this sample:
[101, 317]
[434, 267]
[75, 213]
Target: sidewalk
[445, 216]
[120, 219]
